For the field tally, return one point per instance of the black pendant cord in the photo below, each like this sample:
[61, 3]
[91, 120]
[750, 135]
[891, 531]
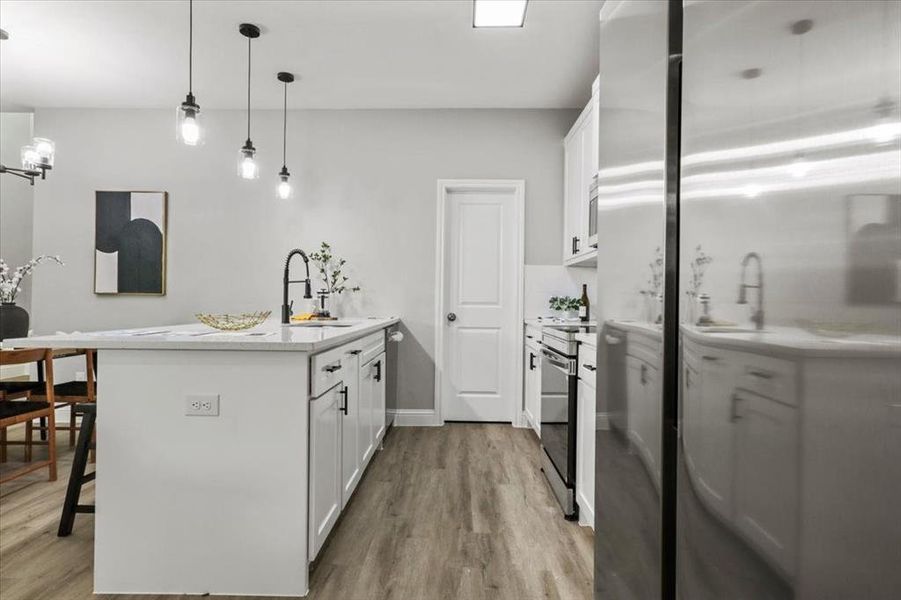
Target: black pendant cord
[190, 47]
[248, 89]
[285, 131]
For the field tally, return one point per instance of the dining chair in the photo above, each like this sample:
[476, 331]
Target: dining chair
[72, 393]
[18, 406]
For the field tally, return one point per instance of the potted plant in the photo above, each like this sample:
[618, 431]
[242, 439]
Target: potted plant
[14, 319]
[331, 272]
[566, 307]
[654, 292]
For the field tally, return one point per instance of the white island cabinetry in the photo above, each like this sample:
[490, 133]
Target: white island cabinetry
[237, 503]
[347, 422]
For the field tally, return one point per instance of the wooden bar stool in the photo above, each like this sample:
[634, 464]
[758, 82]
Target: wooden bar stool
[77, 477]
[72, 393]
[14, 411]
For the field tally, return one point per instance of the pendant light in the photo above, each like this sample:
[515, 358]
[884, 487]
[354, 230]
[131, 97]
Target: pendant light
[187, 119]
[247, 166]
[284, 187]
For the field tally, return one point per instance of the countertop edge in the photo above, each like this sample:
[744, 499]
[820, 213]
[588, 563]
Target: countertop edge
[147, 343]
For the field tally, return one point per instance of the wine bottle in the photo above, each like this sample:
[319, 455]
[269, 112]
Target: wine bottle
[583, 304]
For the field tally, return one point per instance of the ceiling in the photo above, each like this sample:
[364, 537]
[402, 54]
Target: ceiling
[347, 54]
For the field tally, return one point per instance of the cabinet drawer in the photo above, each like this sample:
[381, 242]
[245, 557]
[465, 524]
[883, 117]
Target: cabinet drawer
[327, 369]
[769, 377]
[372, 346]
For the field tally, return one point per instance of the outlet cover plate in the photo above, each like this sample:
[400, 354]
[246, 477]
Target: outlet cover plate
[202, 405]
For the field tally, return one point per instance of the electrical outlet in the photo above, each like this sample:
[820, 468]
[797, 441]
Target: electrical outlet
[202, 405]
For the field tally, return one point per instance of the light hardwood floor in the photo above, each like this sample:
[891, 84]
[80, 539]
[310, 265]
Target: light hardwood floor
[460, 511]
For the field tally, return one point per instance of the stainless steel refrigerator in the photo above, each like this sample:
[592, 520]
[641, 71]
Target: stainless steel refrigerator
[749, 300]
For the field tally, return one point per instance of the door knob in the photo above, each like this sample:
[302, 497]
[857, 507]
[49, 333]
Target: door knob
[451, 317]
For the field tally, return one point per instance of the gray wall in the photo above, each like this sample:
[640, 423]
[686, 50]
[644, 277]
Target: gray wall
[365, 182]
[16, 198]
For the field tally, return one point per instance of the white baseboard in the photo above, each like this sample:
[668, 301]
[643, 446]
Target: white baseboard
[522, 421]
[413, 417]
[602, 421]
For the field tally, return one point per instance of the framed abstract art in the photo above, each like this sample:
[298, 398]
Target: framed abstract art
[130, 243]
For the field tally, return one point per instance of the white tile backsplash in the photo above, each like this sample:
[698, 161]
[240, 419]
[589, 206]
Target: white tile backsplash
[543, 281]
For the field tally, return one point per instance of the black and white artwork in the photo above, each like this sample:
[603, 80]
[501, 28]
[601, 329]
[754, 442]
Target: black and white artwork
[874, 249]
[130, 243]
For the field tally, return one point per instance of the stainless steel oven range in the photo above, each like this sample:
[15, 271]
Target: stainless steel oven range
[559, 385]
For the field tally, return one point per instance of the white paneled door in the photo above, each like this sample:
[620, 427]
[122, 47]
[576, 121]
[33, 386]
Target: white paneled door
[480, 300]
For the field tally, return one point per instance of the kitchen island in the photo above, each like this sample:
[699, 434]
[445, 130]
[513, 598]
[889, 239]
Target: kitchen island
[224, 459]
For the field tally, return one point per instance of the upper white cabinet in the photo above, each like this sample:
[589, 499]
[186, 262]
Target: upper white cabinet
[580, 150]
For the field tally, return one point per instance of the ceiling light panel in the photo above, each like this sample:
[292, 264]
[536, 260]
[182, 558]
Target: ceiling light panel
[499, 13]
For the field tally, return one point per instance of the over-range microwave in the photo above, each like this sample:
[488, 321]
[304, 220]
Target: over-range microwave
[593, 212]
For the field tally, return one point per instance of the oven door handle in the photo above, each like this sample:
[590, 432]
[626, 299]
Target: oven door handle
[554, 360]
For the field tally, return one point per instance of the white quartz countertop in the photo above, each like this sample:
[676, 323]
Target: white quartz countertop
[271, 335]
[785, 341]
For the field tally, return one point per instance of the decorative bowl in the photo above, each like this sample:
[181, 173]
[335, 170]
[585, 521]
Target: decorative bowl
[234, 322]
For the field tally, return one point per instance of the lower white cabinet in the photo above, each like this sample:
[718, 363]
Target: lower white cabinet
[643, 414]
[325, 465]
[354, 413]
[585, 432]
[766, 475]
[347, 423]
[377, 371]
[714, 422]
[532, 388]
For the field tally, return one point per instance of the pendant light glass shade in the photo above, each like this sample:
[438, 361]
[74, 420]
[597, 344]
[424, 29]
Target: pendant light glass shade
[284, 188]
[247, 164]
[188, 129]
[187, 115]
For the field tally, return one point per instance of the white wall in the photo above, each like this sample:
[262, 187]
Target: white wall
[16, 198]
[365, 182]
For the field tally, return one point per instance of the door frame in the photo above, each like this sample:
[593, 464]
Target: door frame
[446, 186]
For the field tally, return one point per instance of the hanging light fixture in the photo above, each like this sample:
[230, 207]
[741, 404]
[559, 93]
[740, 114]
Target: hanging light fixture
[37, 158]
[247, 166]
[284, 187]
[187, 119]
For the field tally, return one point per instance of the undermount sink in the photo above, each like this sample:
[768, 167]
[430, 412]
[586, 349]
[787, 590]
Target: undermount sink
[320, 324]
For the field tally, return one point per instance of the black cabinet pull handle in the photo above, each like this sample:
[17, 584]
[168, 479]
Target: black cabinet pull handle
[332, 368]
[531, 361]
[589, 367]
[711, 358]
[343, 392]
[355, 352]
[378, 371]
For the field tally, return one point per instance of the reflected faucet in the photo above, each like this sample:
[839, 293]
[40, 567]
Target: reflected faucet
[286, 307]
[757, 316]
